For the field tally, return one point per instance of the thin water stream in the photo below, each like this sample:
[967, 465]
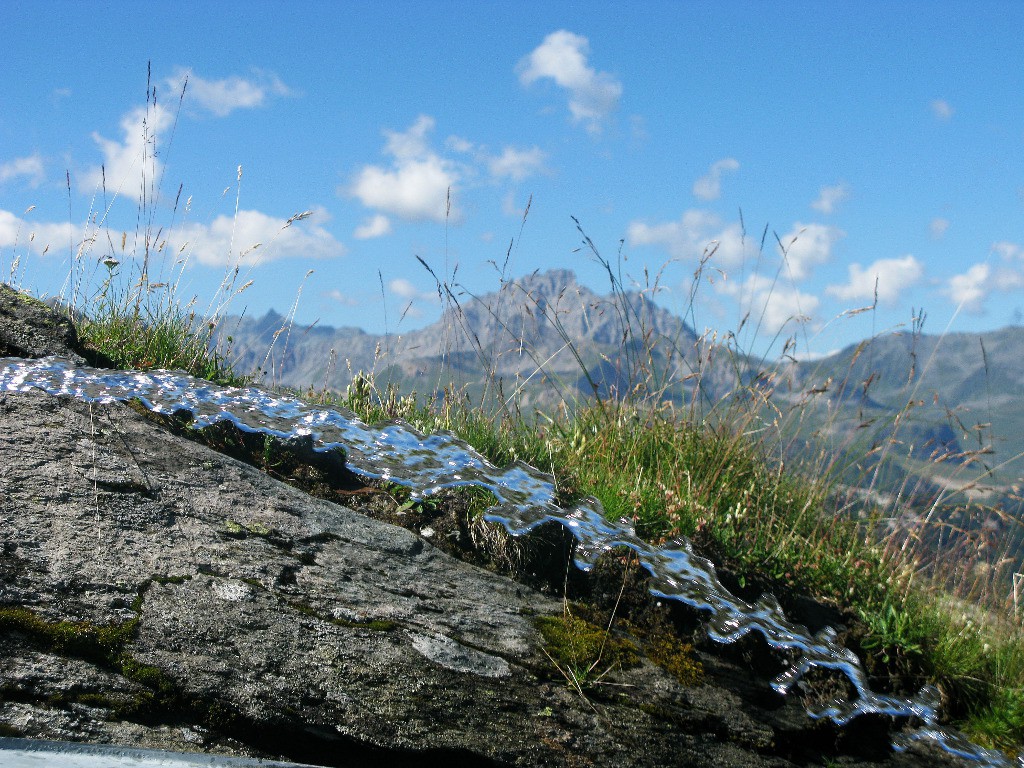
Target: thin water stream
[396, 452]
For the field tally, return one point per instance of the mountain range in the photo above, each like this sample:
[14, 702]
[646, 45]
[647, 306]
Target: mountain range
[544, 338]
[548, 331]
[907, 415]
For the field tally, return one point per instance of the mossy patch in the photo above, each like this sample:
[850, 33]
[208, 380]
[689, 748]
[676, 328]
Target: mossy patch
[675, 657]
[583, 650]
[376, 625]
[8, 730]
[238, 530]
[656, 641]
[171, 579]
[102, 644]
[160, 696]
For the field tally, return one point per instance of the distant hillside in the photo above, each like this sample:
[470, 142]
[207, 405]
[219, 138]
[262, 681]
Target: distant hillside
[962, 392]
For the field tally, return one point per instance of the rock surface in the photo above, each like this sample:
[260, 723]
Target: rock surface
[30, 328]
[155, 593]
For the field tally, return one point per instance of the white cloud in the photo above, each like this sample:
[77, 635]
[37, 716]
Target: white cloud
[784, 306]
[253, 236]
[1008, 251]
[416, 187]
[808, 245]
[132, 160]
[699, 232]
[411, 144]
[341, 298]
[695, 234]
[970, 289]
[891, 276]
[42, 237]
[771, 307]
[938, 228]
[416, 191]
[406, 290]
[509, 206]
[942, 109]
[517, 164]
[830, 197]
[222, 97]
[129, 163]
[709, 186]
[459, 144]
[31, 168]
[562, 57]
[513, 163]
[376, 226]
[10, 229]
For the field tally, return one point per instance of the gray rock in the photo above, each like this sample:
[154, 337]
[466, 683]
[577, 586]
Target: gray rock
[30, 328]
[157, 594]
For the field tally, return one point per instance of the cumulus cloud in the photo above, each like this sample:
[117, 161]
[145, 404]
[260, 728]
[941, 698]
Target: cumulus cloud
[30, 168]
[39, 237]
[222, 97]
[341, 298]
[406, 290]
[808, 245]
[416, 186]
[1008, 251]
[709, 186]
[938, 228]
[562, 57]
[699, 232]
[942, 109]
[517, 164]
[130, 162]
[375, 226]
[513, 162]
[459, 144]
[411, 144]
[970, 289]
[695, 234]
[256, 236]
[829, 198]
[891, 276]
[784, 306]
[770, 306]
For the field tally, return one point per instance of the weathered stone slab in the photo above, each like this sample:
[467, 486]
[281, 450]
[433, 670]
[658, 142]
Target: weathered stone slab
[157, 594]
[30, 328]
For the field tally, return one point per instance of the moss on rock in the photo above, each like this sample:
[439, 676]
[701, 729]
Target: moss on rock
[584, 650]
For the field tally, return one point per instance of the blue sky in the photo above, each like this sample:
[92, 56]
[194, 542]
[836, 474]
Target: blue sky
[882, 143]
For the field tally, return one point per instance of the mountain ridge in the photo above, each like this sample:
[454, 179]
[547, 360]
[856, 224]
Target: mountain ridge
[524, 330]
[548, 332]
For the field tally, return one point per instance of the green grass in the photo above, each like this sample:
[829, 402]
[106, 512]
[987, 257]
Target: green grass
[146, 339]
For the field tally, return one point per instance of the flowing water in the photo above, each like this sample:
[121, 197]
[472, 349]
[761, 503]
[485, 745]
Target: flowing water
[396, 452]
